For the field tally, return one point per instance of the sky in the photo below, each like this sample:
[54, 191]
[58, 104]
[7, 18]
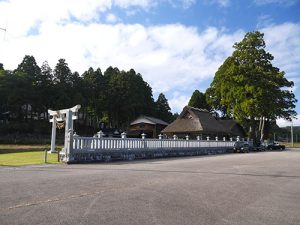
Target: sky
[177, 45]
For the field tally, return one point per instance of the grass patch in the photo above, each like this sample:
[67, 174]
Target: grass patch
[19, 155]
[289, 145]
[26, 158]
[25, 148]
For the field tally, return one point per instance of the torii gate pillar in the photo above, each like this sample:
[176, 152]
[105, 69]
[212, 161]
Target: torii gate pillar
[53, 135]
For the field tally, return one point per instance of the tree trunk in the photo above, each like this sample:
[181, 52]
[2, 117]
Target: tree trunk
[262, 130]
[251, 128]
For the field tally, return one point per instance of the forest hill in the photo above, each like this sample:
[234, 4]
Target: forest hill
[114, 97]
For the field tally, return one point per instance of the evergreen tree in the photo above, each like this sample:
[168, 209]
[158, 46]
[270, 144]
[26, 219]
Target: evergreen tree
[163, 110]
[63, 88]
[198, 100]
[249, 88]
[26, 76]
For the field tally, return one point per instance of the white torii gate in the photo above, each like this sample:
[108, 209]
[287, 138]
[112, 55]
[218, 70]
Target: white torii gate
[66, 116]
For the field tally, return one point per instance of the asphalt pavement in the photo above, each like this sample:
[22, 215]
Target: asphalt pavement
[250, 189]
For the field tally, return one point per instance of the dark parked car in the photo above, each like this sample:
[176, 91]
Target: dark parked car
[275, 146]
[241, 147]
[259, 147]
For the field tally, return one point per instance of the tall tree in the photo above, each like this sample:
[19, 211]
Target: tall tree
[163, 110]
[127, 96]
[29, 67]
[44, 90]
[62, 72]
[27, 75]
[250, 88]
[94, 95]
[63, 85]
[198, 100]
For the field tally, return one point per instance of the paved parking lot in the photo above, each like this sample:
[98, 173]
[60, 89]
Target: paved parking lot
[255, 188]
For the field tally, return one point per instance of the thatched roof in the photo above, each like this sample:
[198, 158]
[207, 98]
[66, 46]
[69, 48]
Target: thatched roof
[234, 127]
[149, 120]
[193, 120]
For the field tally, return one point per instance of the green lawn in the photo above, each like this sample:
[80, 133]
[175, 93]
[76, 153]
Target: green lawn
[288, 145]
[19, 155]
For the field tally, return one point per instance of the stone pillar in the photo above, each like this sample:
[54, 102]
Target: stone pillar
[230, 139]
[123, 135]
[143, 135]
[100, 134]
[238, 138]
[224, 138]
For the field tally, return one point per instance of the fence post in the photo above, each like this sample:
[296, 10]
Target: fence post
[45, 156]
[123, 135]
[100, 134]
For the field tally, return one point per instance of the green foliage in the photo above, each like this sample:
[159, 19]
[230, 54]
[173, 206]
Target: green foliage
[163, 110]
[114, 97]
[249, 88]
[198, 100]
[26, 158]
[128, 96]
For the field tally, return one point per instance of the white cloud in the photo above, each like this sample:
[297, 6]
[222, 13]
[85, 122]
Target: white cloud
[173, 58]
[111, 18]
[221, 3]
[281, 2]
[264, 21]
[188, 3]
[146, 4]
[158, 52]
[283, 42]
[178, 101]
[286, 123]
[182, 3]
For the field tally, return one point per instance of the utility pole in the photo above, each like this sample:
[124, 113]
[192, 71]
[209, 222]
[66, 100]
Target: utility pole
[3, 29]
[292, 135]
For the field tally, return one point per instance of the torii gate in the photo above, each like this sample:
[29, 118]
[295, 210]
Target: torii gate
[66, 116]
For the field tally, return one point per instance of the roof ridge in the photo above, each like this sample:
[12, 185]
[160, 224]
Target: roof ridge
[197, 109]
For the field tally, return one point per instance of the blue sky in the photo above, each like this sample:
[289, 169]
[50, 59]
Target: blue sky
[177, 45]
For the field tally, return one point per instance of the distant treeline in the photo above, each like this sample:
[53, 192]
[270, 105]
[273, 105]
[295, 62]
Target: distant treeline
[113, 97]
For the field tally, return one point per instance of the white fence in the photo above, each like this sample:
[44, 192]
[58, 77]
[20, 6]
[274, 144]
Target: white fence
[98, 144]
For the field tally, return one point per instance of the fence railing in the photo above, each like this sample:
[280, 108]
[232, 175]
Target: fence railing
[96, 143]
